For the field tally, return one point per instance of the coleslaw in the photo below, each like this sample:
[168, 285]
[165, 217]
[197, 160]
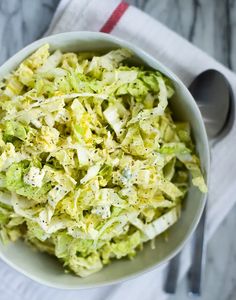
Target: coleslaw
[92, 164]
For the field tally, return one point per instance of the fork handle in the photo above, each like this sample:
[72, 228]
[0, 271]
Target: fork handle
[172, 275]
[198, 259]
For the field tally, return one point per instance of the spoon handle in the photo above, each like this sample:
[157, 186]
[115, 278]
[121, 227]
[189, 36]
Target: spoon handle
[172, 275]
[198, 259]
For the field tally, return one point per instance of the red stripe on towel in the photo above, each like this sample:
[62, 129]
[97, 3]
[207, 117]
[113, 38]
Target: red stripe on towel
[115, 17]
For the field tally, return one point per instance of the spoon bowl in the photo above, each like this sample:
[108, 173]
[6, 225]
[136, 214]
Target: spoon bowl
[213, 95]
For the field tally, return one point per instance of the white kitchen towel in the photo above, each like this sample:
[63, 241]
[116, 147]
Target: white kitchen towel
[129, 23]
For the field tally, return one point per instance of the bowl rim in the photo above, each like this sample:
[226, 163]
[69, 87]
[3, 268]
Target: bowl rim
[26, 51]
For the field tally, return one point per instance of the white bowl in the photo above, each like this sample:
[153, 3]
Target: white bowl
[47, 270]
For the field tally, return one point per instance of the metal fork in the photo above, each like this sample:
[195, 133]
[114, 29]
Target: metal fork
[198, 259]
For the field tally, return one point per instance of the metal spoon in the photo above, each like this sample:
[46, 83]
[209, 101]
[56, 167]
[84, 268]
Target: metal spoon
[214, 97]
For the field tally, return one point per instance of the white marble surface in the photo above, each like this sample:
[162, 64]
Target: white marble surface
[209, 24]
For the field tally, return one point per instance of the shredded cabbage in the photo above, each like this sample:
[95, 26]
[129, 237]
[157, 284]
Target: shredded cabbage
[92, 165]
